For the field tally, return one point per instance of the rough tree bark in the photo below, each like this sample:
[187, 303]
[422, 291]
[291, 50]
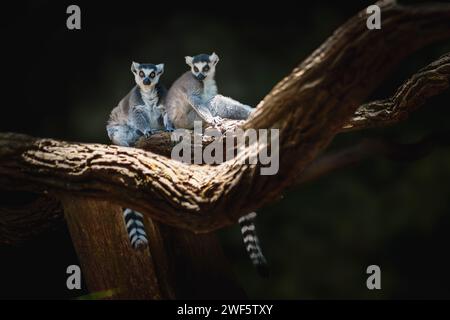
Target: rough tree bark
[322, 97]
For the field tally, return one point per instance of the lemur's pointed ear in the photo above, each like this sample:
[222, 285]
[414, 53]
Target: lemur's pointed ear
[134, 67]
[189, 60]
[214, 58]
[160, 68]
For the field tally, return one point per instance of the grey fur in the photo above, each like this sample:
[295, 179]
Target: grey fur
[228, 108]
[186, 102]
[201, 58]
[135, 116]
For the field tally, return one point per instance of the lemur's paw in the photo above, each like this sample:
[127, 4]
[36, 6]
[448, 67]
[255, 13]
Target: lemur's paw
[139, 133]
[216, 122]
[149, 133]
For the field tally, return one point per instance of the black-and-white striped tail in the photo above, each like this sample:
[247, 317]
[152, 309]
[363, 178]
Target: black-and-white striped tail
[251, 243]
[135, 228]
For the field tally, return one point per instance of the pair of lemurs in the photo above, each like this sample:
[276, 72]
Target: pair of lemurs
[148, 108]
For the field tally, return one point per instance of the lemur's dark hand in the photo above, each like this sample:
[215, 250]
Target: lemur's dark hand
[152, 132]
[148, 133]
[217, 120]
[139, 132]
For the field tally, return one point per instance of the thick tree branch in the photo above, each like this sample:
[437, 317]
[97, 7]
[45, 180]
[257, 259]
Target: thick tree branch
[428, 82]
[21, 222]
[313, 103]
[310, 107]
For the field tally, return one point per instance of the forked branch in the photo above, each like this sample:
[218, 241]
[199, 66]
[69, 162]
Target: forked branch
[428, 82]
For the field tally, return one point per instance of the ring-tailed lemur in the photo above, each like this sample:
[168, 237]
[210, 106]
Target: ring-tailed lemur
[140, 112]
[193, 97]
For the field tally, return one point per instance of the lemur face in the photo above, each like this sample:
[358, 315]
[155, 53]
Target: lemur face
[203, 66]
[146, 75]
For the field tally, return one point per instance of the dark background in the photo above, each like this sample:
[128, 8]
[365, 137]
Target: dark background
[321, 237]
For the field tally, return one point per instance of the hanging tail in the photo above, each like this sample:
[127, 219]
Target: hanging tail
[134, 223]
[251, 243]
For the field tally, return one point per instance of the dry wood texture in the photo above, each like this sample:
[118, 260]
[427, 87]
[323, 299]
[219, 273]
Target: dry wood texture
[177, 263]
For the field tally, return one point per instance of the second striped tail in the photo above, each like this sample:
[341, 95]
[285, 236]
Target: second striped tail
[251, 243]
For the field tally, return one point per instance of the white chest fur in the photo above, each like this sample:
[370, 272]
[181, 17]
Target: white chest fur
[209, 89]
[150, 98]
[153, 108]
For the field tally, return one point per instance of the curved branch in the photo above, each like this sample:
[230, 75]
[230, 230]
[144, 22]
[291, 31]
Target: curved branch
[369, 148]
[428, 82]
[310, 107]
[313, 103]
[19, 223]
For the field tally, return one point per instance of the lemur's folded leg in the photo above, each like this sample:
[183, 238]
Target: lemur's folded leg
[138, 117]
[152, 132]
[202, 109]
[135, 227]
[167, 123]
[226, 107]
[123, 135]
[251, 243]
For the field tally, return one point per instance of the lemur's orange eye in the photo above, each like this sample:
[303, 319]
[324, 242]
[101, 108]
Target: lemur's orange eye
[152, 75]
[205, 69]
[195, 69]
[141, 74]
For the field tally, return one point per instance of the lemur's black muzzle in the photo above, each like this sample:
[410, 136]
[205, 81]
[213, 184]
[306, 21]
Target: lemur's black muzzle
[147, 81]
[201, 76]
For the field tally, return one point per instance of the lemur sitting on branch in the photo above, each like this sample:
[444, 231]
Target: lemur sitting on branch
[140, 112]
[193, 97]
